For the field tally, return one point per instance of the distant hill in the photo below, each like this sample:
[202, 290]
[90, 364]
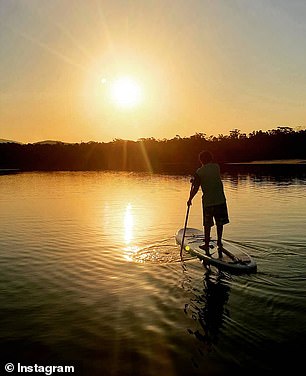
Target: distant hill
[50, 142]
[47, 142]
[3, 141]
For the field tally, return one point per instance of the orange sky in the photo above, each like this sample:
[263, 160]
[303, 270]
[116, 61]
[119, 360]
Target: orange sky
[203, 66]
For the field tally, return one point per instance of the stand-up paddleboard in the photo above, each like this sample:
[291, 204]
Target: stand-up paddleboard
[233, 258]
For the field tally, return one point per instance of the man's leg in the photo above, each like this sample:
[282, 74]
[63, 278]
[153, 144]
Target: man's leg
[207, 235]
[207, 223]
[219, 239]
[205, 247]
[219, 234]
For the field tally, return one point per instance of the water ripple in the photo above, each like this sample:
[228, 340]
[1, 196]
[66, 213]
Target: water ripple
[90, 273]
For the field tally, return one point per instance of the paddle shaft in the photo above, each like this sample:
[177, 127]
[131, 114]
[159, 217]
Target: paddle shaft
[185, 226]
[186, 220]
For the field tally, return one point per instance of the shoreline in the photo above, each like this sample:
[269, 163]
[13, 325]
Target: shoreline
[271, 162]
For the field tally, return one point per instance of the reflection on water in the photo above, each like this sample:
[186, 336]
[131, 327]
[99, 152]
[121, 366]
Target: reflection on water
[128, 224]
[90, 275]
[266, 172]
[208, 308]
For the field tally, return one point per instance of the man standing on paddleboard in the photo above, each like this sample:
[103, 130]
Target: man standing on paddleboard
[213, 199]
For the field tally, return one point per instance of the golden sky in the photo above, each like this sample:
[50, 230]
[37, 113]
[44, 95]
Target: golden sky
[205, 66]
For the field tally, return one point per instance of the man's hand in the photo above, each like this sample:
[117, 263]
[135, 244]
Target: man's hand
[189, 202]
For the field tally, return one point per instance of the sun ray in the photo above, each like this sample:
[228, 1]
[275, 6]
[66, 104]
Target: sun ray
[105, 29]
[47, 48]
[63, 30]
[146, 157]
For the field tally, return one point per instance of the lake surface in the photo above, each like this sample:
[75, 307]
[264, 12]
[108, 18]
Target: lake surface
[91, 276]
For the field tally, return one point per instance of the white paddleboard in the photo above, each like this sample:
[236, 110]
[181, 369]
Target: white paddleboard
[233, 258]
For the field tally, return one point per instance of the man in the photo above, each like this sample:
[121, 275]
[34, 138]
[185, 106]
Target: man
[213, 199]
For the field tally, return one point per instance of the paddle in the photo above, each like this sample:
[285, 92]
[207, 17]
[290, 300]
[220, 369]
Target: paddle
[185, 226]
[186, 220]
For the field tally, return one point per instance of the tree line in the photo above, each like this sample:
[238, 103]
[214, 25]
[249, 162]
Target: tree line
[176, 155]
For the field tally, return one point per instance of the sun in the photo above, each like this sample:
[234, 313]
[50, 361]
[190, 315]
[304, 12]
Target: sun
[126, 92]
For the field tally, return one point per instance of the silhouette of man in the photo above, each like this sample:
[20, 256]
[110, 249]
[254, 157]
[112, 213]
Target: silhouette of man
[213, 199]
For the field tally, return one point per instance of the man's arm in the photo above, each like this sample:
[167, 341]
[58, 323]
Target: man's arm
[194, 188]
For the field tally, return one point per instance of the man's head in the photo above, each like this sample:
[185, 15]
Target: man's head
[205, 156]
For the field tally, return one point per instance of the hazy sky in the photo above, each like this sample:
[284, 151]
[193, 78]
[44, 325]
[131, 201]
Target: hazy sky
[201, 65]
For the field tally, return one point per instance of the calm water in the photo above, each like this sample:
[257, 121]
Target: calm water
[91, 276]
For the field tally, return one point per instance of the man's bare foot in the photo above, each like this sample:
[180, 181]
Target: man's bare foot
[205, 248]
[220, 248]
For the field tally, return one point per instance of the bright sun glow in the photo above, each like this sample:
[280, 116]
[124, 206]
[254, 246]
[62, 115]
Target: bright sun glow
[126, 92]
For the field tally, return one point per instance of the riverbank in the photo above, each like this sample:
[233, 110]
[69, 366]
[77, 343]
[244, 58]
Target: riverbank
[273, 162]
[8, 171]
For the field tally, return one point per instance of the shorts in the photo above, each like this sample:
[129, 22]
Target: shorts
[216, 212]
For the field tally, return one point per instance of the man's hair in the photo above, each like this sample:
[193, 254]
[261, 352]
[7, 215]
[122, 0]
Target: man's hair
[206, 156]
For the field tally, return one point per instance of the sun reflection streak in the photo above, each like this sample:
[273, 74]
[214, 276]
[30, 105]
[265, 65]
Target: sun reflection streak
[128, 224]
[128, 233]
[129, 250]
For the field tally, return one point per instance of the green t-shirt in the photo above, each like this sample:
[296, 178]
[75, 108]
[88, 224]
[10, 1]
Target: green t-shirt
[211, 184]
